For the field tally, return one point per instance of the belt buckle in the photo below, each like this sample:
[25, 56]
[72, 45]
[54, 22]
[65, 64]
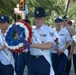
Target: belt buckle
[37, 56]
[25, 52]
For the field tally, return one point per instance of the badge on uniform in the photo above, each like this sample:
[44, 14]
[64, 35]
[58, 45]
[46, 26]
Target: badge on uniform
[44, 35]
[2, 17]
[61, 34]
[51, 34]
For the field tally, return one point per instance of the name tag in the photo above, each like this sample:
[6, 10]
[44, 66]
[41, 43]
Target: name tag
[44, 35]
[62, 35]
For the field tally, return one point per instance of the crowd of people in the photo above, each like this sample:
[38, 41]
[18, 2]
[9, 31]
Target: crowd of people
[51, 49]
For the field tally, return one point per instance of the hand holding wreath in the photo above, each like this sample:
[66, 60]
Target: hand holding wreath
[18, 36]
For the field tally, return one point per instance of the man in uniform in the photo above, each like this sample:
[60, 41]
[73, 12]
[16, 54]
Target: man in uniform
[72, 32]
[6, 57]
[40, 63]
[67, 26]
[23, 58]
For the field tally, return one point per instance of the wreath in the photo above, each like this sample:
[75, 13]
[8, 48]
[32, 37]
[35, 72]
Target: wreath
[18, 36]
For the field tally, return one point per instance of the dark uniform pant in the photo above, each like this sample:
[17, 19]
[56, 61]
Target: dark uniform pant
[6, 69]
[69, 63]
[23, 60]
[38, 66]
[59, 63]
[68, 67]
[74, 62]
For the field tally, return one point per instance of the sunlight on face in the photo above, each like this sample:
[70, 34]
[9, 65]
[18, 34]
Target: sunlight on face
[65, 21]
[3, 25]
[39, 21]
[58, 25]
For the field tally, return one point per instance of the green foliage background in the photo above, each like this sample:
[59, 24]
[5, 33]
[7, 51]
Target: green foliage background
[51, 6]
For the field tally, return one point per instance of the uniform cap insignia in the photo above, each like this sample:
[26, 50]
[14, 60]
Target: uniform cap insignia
[37, 12]
[2, 17]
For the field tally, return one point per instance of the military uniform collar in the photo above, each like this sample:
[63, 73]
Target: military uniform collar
[41, 28]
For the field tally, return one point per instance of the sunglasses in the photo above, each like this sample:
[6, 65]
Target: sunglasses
[64, 20]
